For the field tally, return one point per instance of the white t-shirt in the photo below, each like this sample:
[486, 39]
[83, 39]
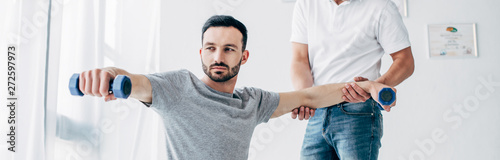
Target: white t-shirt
[348, 40]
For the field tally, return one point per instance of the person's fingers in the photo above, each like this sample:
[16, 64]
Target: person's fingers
[345, 98]
[354, 94]
[357, 79]
[301, 114]
[395, 98]
[82, 82]
[360, 79]
[109, 97]
[96, 79]
[387, 108]
[312, 112]
[294, 113]
[361, 92]
[88, 83]
[104, 86]
[306, 113]
[347, 95]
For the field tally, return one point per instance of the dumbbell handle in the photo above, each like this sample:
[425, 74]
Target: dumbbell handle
[386, 97]
[121, 86]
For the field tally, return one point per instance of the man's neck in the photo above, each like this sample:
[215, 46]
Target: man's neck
[226, 87]
[339, 1]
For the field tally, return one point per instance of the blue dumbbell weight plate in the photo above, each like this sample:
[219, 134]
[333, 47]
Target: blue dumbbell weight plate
[386, 97]
[122, 87]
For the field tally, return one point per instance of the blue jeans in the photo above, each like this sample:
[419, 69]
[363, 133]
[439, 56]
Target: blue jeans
[346, 131]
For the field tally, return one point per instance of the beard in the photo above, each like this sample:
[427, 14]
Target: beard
[220, 76]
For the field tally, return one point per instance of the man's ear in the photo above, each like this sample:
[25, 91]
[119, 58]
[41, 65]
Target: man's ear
[244, 59]
[200, 51]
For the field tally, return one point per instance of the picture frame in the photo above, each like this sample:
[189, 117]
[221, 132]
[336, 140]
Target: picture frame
[452, 40]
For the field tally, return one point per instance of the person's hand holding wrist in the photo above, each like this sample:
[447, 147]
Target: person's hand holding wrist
[355, 94]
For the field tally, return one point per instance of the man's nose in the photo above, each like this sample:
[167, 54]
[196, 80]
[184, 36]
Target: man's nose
[219, 56]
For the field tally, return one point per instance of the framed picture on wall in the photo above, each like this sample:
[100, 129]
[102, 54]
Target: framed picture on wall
[452, 40]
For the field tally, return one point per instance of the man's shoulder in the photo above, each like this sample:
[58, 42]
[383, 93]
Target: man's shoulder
[246, 90]
[174, 76]
[180, 72]
[250, 92]
[253, 92]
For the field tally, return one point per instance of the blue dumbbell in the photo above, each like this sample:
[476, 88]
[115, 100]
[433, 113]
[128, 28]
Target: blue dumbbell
[386, 97]
[121, 86]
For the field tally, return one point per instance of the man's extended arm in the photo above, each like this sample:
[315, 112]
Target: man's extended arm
[96, 83]
[323, 96]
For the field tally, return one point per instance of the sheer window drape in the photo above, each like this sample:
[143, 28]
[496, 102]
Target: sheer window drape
[93, 34]
[24, 25]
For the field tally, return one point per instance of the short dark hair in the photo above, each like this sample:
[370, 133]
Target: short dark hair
[225, 21]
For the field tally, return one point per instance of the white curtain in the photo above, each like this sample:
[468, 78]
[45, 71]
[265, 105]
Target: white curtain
[93, 34]
[24, 25]
[88, 34]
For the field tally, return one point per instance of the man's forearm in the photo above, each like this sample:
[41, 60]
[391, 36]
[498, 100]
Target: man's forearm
[141, 87]
[300, 69]
[401, 68]
[316, 97]
[396, 74]
[301, 76]
[331, 94]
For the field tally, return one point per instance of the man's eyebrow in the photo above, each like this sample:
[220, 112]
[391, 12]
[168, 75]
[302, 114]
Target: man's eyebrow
[231, 45]
[226, 45]
[209, 43]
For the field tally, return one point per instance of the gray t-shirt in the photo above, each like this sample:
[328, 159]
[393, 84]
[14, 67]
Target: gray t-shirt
[203, 123]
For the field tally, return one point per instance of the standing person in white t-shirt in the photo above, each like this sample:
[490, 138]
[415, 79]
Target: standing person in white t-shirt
[337, 41]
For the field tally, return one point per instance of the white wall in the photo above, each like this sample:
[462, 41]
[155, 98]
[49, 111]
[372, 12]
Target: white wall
[430, 100]
[425, 101]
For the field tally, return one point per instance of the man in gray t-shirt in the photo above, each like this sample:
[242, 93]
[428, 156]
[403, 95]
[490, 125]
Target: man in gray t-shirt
[208, 118]
[205, 123]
